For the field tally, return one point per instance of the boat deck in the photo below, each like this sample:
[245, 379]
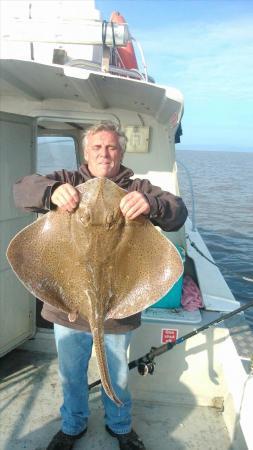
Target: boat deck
[30, 397]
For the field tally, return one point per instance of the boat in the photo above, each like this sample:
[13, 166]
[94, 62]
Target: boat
[61, 70]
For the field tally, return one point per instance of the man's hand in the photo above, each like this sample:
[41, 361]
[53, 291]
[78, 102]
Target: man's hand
[66, 197]
[134, 204]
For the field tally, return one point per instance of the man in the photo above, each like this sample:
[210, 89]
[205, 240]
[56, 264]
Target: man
[103, 150]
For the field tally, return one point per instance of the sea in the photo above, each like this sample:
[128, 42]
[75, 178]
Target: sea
[222, 186]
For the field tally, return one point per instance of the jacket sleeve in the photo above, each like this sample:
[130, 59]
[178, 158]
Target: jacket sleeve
[166, 210]
[33, 192]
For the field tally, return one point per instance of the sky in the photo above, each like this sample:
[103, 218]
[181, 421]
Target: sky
[204, 48]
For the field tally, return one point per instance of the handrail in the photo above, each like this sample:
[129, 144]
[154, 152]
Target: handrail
[91, 65]
[192, 193]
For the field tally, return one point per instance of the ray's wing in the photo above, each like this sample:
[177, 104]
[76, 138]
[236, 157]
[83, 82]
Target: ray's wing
[147, 266]
[44, 258]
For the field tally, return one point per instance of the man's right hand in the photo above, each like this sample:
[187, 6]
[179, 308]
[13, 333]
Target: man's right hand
[66, 197]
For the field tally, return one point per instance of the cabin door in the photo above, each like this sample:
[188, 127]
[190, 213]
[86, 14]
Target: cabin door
[17, 306]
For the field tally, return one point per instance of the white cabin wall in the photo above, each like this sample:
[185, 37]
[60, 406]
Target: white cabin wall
[158, 165]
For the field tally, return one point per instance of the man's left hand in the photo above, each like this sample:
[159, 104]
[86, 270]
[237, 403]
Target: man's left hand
[134, 204]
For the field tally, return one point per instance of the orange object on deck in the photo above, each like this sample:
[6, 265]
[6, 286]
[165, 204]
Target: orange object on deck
[127, 58]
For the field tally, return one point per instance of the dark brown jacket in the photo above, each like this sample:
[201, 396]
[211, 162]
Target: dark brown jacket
[33, 193]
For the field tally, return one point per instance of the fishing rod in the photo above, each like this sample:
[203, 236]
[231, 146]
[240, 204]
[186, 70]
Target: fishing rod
[146, 363]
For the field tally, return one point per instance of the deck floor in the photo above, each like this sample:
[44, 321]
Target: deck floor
[30, 397]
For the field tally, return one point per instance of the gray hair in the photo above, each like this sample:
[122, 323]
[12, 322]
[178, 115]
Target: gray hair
[106, 126]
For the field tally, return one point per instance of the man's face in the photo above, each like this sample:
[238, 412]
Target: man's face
[103, 154]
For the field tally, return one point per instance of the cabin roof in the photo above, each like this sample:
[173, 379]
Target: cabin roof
[100, 90]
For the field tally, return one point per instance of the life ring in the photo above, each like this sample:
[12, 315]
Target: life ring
[127, 58]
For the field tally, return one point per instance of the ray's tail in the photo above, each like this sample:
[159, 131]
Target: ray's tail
[98, 340]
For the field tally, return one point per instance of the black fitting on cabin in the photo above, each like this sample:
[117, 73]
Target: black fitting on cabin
[59, 56]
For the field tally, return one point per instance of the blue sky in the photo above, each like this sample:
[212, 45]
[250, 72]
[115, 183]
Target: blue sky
[205, 49]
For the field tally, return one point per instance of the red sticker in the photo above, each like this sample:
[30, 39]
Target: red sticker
[168, 335]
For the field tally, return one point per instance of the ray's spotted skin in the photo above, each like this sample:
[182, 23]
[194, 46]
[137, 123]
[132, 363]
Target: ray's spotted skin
[95, 262]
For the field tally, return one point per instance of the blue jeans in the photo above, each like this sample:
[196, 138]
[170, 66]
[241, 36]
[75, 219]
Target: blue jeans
[74, 351]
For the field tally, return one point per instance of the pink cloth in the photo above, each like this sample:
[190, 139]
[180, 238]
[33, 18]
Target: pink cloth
[191, 295]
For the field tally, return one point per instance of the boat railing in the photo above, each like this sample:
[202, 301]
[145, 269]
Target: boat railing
[188, 174]
[96, 66]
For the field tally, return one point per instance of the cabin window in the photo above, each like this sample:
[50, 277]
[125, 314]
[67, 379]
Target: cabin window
[55, 153]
